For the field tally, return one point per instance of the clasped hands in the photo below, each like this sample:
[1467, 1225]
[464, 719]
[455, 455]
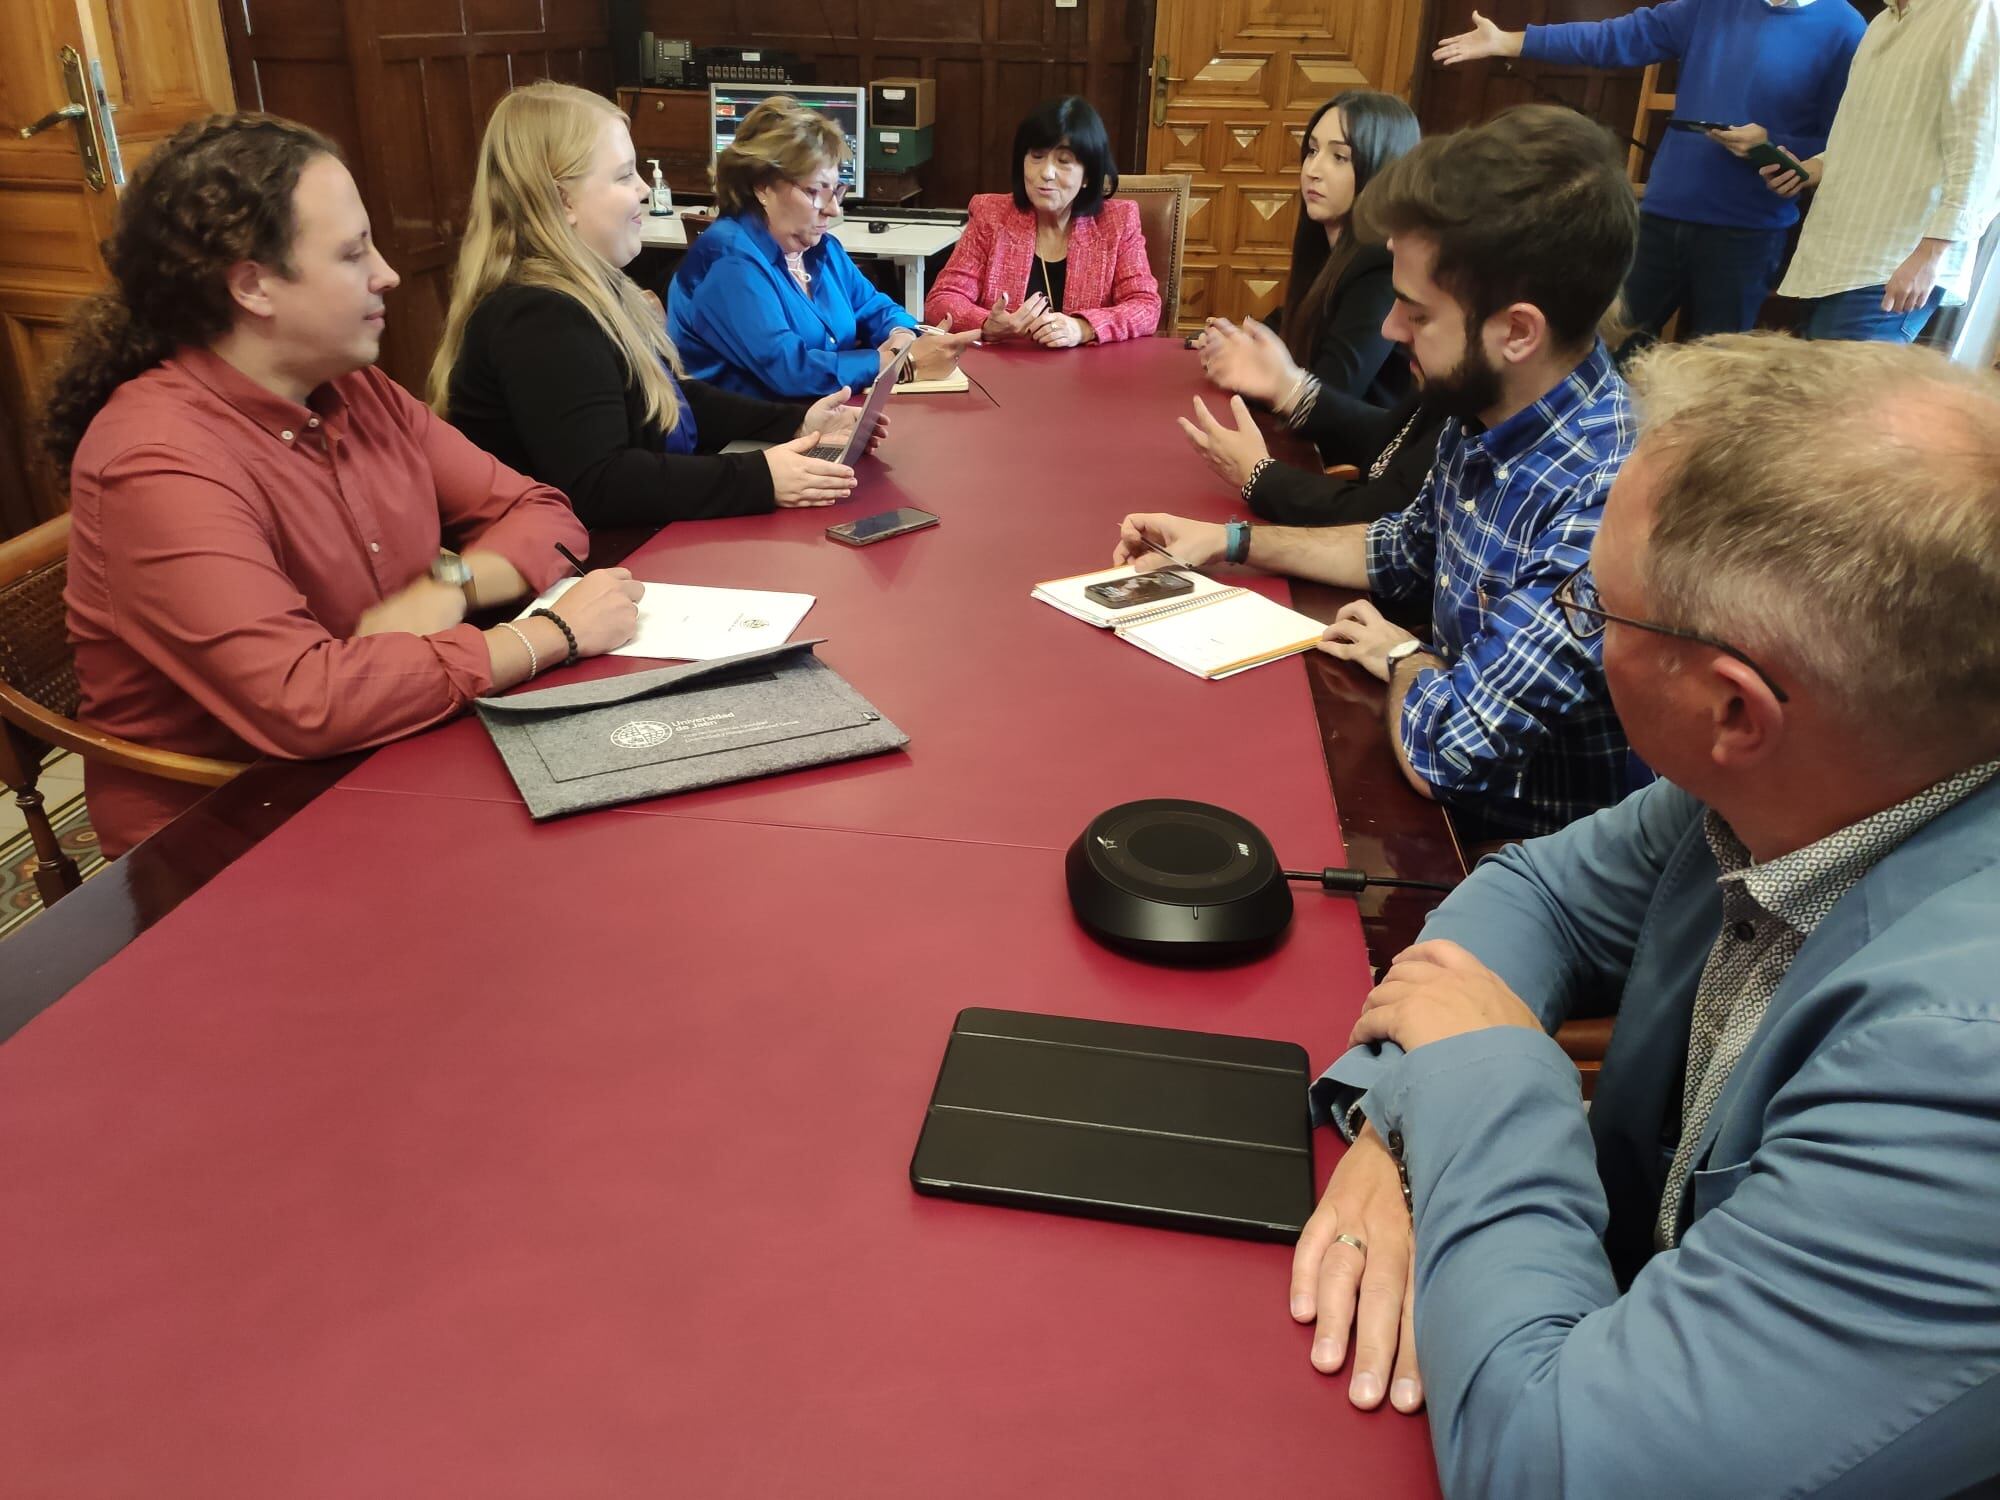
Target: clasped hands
[1035, 319]
[1432, 991]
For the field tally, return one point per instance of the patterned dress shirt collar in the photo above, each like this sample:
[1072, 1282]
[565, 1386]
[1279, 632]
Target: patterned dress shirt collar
[1769, 910]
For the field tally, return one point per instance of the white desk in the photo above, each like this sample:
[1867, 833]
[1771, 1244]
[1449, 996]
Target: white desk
[908, 245]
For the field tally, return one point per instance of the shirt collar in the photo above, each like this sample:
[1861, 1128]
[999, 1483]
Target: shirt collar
[1801, 887]
[1576, 392]
[283, 419]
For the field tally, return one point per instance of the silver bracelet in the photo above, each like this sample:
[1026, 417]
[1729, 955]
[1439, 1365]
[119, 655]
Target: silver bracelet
[1291, 398]
[534, 658]
[1256, 473]
[1304, 402]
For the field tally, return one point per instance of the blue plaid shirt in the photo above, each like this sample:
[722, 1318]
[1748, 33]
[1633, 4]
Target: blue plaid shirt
[1518, 725]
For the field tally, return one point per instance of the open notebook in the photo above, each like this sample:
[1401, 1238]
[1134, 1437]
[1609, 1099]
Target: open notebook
[1216, 631]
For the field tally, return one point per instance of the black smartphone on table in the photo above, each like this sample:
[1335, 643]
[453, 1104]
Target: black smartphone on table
[1140, 588]
[880, 527]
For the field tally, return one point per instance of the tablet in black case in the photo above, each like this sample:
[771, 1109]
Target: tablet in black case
[1181, 1129]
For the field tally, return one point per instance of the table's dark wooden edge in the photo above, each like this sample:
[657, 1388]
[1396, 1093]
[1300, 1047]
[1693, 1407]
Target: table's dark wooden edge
[1388, 826]
[1388, 829]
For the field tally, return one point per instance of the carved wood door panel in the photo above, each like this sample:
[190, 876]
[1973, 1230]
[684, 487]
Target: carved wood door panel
[1234, 82]
[118, 75]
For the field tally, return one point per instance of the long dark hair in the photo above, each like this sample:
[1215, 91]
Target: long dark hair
[216, 192]
[1379, 128]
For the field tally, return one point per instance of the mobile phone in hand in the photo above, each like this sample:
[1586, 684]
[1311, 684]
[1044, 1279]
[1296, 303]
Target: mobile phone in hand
[1764, 154]
[1703, 125]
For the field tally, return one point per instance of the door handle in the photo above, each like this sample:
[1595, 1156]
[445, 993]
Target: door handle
[1160, 81]
[52, 119]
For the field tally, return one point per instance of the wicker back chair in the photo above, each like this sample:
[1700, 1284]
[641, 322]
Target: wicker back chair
[38, 698]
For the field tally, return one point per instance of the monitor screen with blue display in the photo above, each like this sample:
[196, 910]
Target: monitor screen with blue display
[728, 103]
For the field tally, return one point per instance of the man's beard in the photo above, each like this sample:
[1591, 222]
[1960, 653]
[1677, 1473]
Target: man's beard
[1468, 388]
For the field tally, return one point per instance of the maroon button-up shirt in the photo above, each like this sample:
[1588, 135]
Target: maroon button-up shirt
[225, 544]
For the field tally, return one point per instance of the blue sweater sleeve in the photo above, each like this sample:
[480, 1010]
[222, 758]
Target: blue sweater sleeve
[1656, 33]
[1810, 138]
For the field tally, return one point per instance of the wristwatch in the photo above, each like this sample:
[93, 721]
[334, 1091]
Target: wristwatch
[453, 571]
[1401, 651]
[1236, 541]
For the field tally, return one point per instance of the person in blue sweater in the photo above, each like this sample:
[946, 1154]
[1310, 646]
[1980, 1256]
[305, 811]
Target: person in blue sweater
[1711, 237]
[767, 303]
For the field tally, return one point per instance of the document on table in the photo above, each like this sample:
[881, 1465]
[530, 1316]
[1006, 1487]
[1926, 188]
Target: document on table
[684, 622]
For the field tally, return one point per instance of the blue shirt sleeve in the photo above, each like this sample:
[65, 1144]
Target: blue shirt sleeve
[1655, 33]
[1471, 728]
[876, 315]
[1402, 546]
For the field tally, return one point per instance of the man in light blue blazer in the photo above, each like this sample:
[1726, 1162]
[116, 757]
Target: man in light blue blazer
[1767, 1260]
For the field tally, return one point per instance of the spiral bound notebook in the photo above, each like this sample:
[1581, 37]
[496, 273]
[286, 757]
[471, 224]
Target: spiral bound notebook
[1214, 632]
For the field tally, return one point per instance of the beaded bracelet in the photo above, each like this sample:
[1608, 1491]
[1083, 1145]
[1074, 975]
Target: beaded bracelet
[534, 657]
[568, 634]
[1256, 473]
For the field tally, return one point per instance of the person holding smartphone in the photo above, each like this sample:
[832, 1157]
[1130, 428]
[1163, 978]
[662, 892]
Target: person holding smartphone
[1711, 237]
[1910, 178]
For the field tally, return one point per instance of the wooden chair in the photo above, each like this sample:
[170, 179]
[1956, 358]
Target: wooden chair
[1163, 209]
[38, 698]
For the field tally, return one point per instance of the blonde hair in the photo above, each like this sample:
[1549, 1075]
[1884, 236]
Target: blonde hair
[1836, 507]
[542, 136]
[779, 138]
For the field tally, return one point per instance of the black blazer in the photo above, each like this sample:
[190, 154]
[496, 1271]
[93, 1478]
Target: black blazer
[1355, 433]
[540, 387]
[1350, 355]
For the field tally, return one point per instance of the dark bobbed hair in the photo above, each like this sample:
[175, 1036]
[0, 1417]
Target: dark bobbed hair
[1380, 128]
[216, 192]
[1533, 206]
[1068, 120]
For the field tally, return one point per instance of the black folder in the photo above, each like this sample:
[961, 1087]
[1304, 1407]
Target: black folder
[1179, 1129]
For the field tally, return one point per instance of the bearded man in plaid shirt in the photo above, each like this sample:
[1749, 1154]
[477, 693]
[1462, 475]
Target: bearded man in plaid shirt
[1510, 243]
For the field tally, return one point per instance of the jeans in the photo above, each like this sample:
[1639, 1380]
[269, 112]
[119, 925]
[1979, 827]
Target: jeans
[1718, 276]
[1857, 316]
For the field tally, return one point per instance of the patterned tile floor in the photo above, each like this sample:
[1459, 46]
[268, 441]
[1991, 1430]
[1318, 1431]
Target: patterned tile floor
[61, 784]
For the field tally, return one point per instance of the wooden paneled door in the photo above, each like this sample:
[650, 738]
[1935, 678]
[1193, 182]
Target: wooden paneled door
[1233, 84]
[118, 76]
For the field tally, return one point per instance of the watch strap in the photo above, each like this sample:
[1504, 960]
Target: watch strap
[1236, 544]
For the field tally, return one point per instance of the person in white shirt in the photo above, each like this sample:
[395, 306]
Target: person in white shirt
[1910, 177]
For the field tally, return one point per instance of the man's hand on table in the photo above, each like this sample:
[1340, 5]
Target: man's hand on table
[1436, 990]
[1360, 634]
[1366, 1289]
[1196, 543]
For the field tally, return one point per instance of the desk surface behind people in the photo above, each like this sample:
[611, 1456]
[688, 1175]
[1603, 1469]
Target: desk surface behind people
[334, 1178]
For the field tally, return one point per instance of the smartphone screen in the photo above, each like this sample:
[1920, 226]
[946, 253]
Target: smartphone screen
[1140, 588]
[875, 528]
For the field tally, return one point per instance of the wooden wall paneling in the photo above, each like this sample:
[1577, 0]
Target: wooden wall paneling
[1242, 77]
[1452, 98]
[993, 61]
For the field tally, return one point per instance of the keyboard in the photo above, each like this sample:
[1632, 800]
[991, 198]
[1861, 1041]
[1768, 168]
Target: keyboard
[829, 451]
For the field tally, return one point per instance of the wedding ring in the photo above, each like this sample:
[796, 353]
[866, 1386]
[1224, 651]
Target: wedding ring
[1348, 1239]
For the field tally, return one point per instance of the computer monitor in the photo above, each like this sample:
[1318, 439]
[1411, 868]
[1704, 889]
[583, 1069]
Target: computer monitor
[728, 103]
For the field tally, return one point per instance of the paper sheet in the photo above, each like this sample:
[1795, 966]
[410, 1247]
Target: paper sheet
[684, 622]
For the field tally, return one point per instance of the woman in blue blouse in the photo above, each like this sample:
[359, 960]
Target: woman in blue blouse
[767, 303]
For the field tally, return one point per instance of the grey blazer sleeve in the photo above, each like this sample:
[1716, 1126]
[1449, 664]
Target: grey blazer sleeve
[1828, 1326]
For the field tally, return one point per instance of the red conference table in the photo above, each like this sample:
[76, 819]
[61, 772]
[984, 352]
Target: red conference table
[428, 1151]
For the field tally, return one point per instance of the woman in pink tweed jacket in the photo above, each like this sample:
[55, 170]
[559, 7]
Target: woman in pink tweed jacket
[1058, 263]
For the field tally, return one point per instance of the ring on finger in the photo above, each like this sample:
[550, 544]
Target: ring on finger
[1348, 1239]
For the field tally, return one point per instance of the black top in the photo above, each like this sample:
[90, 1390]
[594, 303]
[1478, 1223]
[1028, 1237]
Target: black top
[1351, 356]
[1356, 433]
[1051, 276]
[539, 386]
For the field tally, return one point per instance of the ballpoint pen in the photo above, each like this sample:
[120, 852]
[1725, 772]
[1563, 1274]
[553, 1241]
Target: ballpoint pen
[571, 558]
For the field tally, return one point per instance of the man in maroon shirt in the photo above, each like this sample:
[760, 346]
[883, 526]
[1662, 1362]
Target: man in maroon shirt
[256, 564]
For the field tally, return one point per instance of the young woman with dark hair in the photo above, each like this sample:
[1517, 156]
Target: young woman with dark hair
[1339, 291]
[257, 515]
[1060, 262]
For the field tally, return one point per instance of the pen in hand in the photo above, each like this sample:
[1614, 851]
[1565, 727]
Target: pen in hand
[571, 558]
[1156, 547]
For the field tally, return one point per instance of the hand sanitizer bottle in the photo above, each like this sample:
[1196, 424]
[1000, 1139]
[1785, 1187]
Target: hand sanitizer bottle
[663, 197]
